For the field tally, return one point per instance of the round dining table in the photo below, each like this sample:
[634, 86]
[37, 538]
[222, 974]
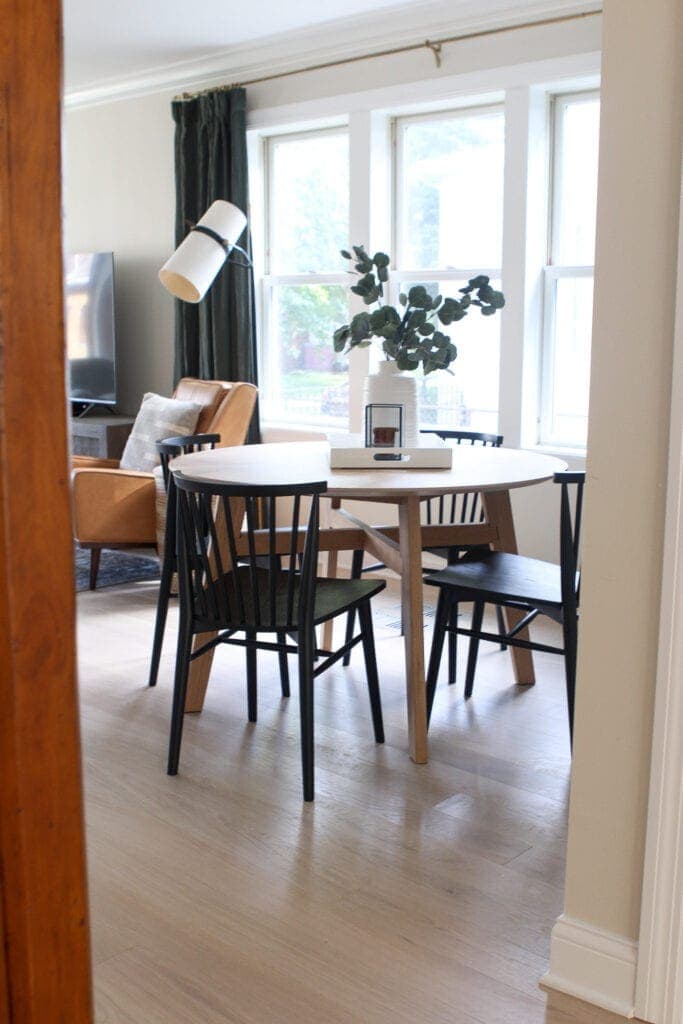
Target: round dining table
[489, 472]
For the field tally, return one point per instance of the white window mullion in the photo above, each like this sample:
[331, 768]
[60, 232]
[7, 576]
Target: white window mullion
[361, 146]
[514, 273]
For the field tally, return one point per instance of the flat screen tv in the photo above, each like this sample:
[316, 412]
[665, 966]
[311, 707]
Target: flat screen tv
[90, 336]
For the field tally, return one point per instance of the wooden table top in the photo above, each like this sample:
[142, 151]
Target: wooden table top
[475, 468]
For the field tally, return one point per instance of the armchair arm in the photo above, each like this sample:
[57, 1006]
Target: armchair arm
[114, 506]
[91, 462]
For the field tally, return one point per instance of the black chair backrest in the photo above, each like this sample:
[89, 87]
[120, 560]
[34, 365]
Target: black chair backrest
[459, 508]
[467, 437]
[249, 588]
[170, 447]
[570, 533]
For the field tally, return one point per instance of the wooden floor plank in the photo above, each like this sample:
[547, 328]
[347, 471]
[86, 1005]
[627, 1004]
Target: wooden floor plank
[405, 893]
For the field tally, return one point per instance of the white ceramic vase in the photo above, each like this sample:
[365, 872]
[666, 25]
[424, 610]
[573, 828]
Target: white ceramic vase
[395, 387]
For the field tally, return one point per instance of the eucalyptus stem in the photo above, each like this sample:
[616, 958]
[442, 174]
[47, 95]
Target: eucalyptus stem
[421, 343]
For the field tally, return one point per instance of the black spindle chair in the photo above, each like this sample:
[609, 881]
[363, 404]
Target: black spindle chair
[513, 581]
[232, 581]
[447, 508]
[168, 449]
[463, 509]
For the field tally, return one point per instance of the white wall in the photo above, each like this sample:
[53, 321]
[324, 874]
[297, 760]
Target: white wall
[638, 206]
[640, 175]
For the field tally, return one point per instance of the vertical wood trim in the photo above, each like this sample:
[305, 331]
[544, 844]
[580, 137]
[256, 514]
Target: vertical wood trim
[42, 857]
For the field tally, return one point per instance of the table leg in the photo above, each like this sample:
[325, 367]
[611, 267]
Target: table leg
[198, 680]
[499, 513]
[410, 542]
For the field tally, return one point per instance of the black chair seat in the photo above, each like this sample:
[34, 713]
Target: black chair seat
[332, 596]
[498, 575]
[528, 585]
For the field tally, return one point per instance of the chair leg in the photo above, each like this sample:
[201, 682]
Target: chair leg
[167, 570]
[443, 611]
[569, 629]
[501, 624]
[477, 617]
[284, 668]
[94, 566]
[356, 571]
[306, 655]
[251, 678]
[452, 643]
[182, 671]
[365, 617]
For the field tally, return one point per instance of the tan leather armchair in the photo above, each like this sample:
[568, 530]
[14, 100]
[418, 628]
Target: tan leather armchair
[115, 508]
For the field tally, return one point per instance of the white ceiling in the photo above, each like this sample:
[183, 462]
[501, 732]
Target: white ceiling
[105, 40]
[112, 48]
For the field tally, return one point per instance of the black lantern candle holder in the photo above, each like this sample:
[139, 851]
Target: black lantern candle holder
[383, 425]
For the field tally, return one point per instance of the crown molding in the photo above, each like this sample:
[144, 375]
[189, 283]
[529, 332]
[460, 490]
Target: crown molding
[332, 41]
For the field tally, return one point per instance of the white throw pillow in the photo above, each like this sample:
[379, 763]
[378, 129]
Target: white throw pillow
[157, 419]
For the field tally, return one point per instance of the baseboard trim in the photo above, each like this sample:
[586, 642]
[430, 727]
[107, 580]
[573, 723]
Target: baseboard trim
[593, 965]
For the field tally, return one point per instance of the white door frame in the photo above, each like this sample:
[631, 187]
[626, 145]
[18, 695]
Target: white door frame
[659, 982]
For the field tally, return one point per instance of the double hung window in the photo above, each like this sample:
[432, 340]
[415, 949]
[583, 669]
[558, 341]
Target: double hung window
[449, 228]
[568, 301]
[305, 292]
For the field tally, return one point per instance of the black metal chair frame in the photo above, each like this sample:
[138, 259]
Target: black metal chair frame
[225, 591]
[564, 611]
[168, 449]
[464, 508]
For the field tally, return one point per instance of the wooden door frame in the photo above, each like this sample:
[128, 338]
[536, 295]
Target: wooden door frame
[44, 956]
[659, 977]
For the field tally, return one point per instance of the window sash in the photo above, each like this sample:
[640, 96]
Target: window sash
[555, 271]
[546, 435]
[271, 143]
[270, 355]
[399, 126]
[559, 103]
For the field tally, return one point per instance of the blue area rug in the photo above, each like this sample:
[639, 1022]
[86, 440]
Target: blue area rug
[116, 567]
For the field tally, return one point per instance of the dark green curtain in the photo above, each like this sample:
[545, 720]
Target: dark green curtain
[215, 339]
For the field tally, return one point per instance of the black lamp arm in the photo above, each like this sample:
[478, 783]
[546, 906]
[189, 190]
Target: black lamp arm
[243, 252]
[225, 245]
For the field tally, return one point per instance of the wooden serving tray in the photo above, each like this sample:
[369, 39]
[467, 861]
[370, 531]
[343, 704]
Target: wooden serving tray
[349, 452]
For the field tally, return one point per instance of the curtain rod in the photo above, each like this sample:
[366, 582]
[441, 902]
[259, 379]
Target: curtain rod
[434, 46]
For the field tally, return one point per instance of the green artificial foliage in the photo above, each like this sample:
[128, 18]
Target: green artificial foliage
[410, 336]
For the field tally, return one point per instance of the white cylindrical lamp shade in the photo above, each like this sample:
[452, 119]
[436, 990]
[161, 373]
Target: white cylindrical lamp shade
[188, 273]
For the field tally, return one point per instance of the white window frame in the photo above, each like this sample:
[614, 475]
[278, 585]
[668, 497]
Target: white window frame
[553, 271]
[269, 355]
[526, 92]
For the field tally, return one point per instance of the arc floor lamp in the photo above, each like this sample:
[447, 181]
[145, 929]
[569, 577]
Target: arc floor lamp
[211, 242]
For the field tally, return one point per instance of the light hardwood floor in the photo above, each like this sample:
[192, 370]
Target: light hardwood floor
[404, 894]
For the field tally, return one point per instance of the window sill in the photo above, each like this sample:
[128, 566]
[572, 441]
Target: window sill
[570, 454]
[306, 430]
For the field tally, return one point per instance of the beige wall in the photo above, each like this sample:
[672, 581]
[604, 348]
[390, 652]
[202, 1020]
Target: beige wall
[120, 195]
[640, 179]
